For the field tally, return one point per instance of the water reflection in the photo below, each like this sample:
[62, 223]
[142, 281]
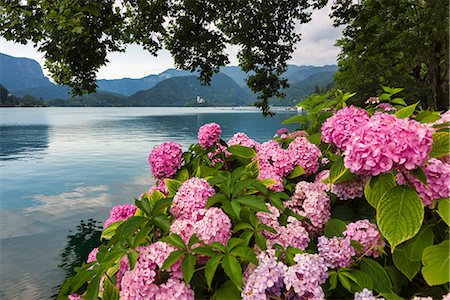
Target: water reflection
[22, 141]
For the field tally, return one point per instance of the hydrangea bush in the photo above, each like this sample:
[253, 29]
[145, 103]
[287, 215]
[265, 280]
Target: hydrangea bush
[355, 206]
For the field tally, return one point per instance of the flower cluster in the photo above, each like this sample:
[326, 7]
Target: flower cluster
[243, 140]
[386, 142]
[366, 294]
[160, 185]
[190, 197]
[350, 189]
[366, 234]
[145, 281]
[438, 181]
[209, 134]
[386, 107]
[165, 160]
[281, 133]
[339, 128]
[304, 154]
[92, 255]
[336, 252]
[120, 213]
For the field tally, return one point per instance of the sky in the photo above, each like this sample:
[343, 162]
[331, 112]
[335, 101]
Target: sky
[315, 48]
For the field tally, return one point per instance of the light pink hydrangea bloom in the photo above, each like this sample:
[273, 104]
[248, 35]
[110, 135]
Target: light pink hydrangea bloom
[120, 213]
[92, 255]
[271, 155]
[350, 189]
[337, 251]
[387, 142]
[190, 197]
[304, 154]
[386, 107]
[266, 279]
[306, 276]
[268, 172]
[339, 128]
[208, 135]
[366, 294]
[143, 281]
[438, 181]
[367, 235]
[165, 160]
[75, 297]
[243, 140]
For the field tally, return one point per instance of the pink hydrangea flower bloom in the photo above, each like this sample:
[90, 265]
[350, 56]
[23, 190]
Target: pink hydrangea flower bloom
[243, 140]
[165, 160]
[387, 142]
[75, 297]
[304, 154]
[341, 126]
[120, 213]
[367, 235]
[337, 251]
[386, 107]
[190, 197]
[208, 135]
[92, 255]
[350, 189]
[438, 181]
[306, 276]
[142, 282]
[366, 294]
[271, 156]
[160, 185]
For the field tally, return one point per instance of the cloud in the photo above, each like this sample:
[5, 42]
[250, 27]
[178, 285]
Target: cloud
[81, 198]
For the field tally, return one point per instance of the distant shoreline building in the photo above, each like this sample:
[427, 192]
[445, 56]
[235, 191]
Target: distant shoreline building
[200, 100]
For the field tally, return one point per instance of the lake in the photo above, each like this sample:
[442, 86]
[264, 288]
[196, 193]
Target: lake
[60, 167]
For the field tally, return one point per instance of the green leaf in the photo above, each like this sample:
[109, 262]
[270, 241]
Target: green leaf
[253, 168]
[255, 202]
[376, 187]
[219, 246]
[436, 265]
[174, 240]
[182, 175]
[399, 215]
[242, 151]
[406, 266]
[415, 246]
[426, 116]
[133, 256]
[172, 186]
[204, 250]
[420, 175]
[399, 101]
[246, 254]
[296, 119]
[111, 230]
[233, 269]
[380, 279]
[172, 259]
[338, 172]
[332, 278]
[93, 288]
[260, 241]
[162, 222]
[441, 146]
[193, 240]
[315, 138]
[211, 267]
[188, 267]
[233, 243]
[391, 296]
[444, 210]
[355, 280]
[296, 172]
[334, 227]
[216, 198]
[398, 279]
[406, 112]
[242, 226]
[227, 291]
[110, 292]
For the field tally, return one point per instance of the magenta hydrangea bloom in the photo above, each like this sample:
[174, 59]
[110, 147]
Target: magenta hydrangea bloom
[438, 181]
[92, 255]
[366, 294]
[310, 200]
[387, 142]
[208, 135]
[142, 282]
[160, 185]
[386, 107]
[341, 126]
[337, 251]
[210, 225]
[243, 140]
[75, 297]
[267, 172]
[306, 276]
[165, 160]
[120, 213]
[367, 235]
[266, 279]
[271, 156]
[271, 220]
[190, 197]
[304, 154]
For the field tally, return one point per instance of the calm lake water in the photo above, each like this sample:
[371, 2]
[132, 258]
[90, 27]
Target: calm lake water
[63, 166]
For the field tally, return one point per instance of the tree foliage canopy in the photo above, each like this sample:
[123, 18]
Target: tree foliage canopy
[77, 35]
[400, 43]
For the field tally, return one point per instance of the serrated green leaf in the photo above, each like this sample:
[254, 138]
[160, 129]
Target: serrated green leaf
[444, 209]
[355, 280]
[334, 227]
[415, 246]
[399, 101]
[399, 215]
[182, 175]
[242, 151]
[162, 222]
[376, 187]
[211, 267]
[233, 242]
[296, 172]
[233, 269]
[172, 186]
[380, 279]
[242, 226]
[406, 266]
[174, 240]
[188, 267]
[406, 112]
[436, 264]
[339, 173]
[441, 144]
[172, 259]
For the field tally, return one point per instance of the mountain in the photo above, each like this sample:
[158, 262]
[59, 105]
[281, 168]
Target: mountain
[180, 91]
[307, 71]
[129, 86]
